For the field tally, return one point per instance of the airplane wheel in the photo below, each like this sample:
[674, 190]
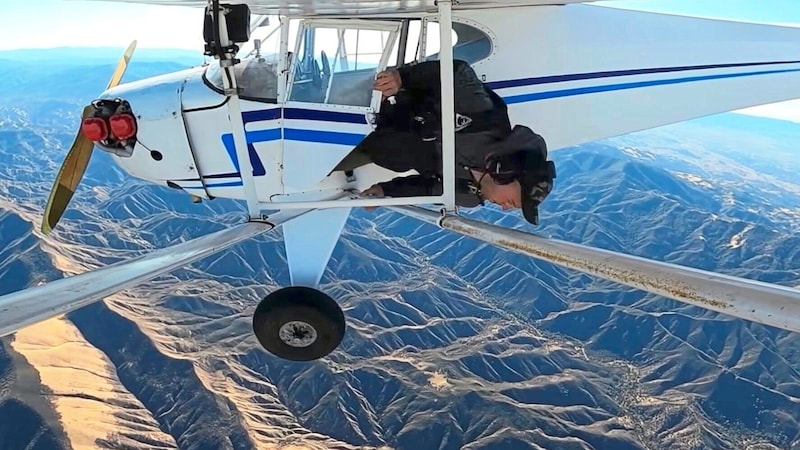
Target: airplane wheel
[299, 323]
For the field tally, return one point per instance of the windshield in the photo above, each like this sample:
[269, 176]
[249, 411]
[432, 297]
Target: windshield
[266, 30]
[257, 73]
[257, 77]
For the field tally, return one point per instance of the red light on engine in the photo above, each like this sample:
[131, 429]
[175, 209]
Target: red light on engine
[122, 126]
[94, 129]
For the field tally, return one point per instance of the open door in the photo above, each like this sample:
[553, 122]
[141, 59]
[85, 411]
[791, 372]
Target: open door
[330, 98]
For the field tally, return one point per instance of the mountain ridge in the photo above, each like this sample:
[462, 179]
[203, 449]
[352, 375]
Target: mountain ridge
[451, 343]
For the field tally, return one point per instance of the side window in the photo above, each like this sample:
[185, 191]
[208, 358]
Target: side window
[469, 43]
[338, 65]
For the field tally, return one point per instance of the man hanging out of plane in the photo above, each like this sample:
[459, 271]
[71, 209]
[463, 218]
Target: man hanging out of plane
[494, 162]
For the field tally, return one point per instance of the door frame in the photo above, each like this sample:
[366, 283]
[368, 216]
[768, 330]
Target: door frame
[393, 27]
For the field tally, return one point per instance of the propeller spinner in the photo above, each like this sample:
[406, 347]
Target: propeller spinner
[74, 165]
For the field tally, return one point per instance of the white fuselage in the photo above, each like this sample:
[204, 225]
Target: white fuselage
[572, 73]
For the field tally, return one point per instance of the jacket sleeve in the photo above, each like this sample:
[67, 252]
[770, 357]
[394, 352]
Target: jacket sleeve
[419, 186]
[412, 186]
[469, 92]
[423, 76]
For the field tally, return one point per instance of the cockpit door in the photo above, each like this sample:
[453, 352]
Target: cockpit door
[330, 99]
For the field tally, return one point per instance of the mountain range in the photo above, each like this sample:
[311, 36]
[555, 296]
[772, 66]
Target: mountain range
[451, 343]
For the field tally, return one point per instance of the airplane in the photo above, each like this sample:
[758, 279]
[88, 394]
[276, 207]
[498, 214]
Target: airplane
[282, 103]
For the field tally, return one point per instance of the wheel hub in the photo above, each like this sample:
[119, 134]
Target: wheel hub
[297, 334]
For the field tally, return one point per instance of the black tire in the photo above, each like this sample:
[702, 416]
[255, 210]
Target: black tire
[300, 312]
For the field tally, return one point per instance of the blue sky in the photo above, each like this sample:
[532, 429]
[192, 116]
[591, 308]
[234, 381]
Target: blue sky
[769, 11]
[52, 23]
[57, 23]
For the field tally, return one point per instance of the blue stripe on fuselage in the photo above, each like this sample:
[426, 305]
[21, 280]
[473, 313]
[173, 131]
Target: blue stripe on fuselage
[352, 139]
[261, 115]
[302, 114]
[522, 98]
[324, 116]
[322, 137]
[251, 136]
[504, 84]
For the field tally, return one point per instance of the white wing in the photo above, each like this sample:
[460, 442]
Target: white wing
[355, 7]
[23, 308]
[583, 73]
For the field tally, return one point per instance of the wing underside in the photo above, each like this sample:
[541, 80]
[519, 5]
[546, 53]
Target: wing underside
[36, 304]
[312, 8]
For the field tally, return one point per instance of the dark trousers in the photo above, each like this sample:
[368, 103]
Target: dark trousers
[396, 151]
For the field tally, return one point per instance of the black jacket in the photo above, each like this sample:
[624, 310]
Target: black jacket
[402, 142]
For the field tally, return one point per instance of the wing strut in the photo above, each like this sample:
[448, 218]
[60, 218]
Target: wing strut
[448, 104]
[764, 303]
[36, 304]
[227, 59]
